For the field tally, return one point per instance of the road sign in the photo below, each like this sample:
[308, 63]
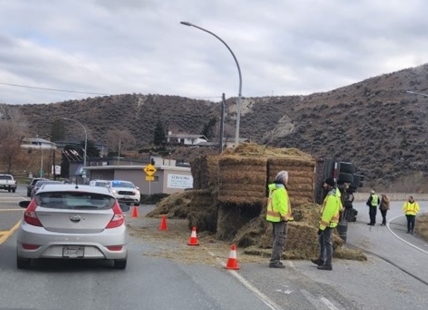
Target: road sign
[150, 169]
[150, 178]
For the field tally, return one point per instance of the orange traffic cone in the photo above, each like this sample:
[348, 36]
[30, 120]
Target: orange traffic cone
[134, 212]
[163, 225]
[193, 239]
[232, 262]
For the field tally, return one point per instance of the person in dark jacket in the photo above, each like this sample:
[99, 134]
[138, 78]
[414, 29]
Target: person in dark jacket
[384, 207]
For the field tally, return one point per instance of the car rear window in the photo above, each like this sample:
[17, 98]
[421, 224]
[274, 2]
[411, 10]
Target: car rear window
[74, 200]
[5, 177]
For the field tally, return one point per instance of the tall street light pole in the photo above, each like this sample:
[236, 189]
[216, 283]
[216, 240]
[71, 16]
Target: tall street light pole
[238, 112]
[86, 140]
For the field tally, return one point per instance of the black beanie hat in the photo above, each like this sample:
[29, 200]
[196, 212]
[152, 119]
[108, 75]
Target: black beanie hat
[330, 181]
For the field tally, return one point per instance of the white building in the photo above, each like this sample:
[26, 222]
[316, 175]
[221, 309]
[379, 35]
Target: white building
[37, 143]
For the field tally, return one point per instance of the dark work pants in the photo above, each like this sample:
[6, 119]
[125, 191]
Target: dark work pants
[372, 213]
[326, 246]
[279, 233]
[410, 222]
[383, 212]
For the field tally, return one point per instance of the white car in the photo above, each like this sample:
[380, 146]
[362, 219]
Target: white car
[69, 221]
[102, 183]
[125, 191]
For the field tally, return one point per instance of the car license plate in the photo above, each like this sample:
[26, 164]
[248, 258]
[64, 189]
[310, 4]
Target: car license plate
[127, 197]
[73, 251]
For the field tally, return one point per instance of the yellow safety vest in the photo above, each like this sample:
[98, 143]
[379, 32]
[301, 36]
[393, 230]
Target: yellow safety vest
[411, 208]
[278, 205]
[375, 200]
[330, 211]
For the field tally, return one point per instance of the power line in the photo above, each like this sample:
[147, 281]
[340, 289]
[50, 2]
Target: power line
[54, 89]
[89, 93]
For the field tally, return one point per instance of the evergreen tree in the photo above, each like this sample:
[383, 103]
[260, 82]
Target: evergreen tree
[159, 134]
[57, 131]
[208, 130]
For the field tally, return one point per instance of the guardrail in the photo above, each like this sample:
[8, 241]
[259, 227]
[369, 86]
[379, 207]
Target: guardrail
[392, 196]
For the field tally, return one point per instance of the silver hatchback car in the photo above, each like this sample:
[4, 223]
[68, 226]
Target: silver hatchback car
[69, 221]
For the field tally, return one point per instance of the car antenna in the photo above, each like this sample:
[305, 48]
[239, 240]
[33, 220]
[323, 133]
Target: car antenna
[77, 184]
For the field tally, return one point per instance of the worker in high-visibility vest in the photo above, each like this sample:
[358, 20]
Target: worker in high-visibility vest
[373, 203]
[410, 208]
[329, 220]
[278, 213]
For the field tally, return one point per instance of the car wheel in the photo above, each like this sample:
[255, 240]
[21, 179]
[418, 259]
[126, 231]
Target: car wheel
[23, 263]
[13, 190]
[120, 263]
[8, 190]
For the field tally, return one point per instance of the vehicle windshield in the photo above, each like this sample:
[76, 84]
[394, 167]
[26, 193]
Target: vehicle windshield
[122, 184]
[101, 184]
[5, 177]
[74, 200]
[40, 183]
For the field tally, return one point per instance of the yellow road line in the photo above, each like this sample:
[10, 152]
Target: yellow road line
[8, 233]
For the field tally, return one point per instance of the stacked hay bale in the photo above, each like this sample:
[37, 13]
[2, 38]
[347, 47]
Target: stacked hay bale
[205, 171]
[244, 175]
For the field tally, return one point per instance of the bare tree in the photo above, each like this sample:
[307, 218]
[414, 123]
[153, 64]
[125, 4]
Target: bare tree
[11, 135]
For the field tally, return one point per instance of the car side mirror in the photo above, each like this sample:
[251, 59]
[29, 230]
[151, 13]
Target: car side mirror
[24, 204]
[137, 187]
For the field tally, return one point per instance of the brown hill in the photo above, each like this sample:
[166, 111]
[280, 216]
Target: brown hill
[374, 123]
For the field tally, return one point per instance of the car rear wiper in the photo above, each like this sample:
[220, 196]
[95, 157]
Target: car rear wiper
[86, 207]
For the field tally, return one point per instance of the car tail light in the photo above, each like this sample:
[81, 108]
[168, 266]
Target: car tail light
[30, 216]
[115, 247]
[118, 219]
[30, 246]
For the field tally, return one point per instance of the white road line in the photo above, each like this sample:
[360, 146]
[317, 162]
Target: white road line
[328, 303]
[319, 303]
[266, 300]
[399, 238]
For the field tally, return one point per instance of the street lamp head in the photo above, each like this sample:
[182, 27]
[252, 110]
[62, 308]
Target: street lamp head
[186, 23]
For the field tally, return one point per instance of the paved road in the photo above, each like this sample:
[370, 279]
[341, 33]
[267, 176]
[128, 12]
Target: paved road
[394, 277]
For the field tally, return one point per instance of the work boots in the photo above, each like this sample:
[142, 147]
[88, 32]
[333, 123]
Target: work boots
[318, 261]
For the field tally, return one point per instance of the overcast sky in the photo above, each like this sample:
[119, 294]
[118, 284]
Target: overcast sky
[87, 48]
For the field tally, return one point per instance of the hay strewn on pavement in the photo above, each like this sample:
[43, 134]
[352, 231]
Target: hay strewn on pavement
[230, 194]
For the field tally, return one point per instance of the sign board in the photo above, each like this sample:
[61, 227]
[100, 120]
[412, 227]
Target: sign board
[150, 178]
[56, 169]
[179, 181]
[150, 169]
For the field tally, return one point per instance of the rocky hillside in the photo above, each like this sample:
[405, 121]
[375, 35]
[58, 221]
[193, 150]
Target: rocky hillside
[374, 123]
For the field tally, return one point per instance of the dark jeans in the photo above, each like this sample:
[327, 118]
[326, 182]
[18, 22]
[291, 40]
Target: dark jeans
[383, 212]
[372, 213]
[279, 233]
[326, 246]
[410, 222]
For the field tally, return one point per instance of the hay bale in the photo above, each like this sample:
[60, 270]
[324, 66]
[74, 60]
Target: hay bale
[195, 169]
[179, 205]
[205, 171]
[231, 219]
[242, 181]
